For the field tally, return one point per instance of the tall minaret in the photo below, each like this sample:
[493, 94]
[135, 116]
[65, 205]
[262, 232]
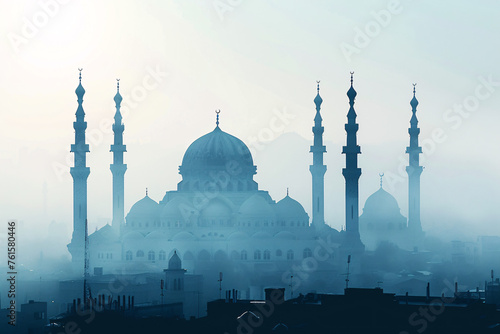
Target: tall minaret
[80, 173]
[351, 174]
[414, 170]
[317, 168]
[118, 168]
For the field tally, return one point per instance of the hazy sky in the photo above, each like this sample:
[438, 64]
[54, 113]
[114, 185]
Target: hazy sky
[257, 61]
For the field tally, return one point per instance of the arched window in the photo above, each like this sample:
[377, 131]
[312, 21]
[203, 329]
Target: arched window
[139, 253]
[267, 254]
[256, 255]
[307, 253]
[243, 255]
[162, 255]
[128, 256]
[151, 255]
[279, 252]
[289, 255]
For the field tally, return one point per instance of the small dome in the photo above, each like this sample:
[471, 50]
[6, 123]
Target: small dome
[175, 262]
[216, 209]
[257, 206]
[290, 208]
[145, 207]
[285, 235]
[183, 236]
[177, 208]
[261, 235]
[238, 235]
[381, 203]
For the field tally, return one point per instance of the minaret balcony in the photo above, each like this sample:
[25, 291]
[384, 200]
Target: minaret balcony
[118, 148]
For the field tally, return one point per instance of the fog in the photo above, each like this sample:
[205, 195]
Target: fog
[258, 62]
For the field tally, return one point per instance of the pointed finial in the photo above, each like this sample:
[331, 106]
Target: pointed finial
[80, 76]
[118, 98]
[318, 100]
[217, 121]
[414, 101]
[381, 178]
[351, 93]
[287, 191]
[146, 191]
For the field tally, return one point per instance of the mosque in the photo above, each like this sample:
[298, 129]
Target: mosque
[218, 220]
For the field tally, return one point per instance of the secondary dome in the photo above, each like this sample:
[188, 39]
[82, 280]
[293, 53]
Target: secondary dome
[290, 208]
[146, 207]
[257, 206]
[217, 150]
[381, 203]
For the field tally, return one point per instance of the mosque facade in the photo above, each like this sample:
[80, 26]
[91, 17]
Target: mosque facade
[218, 220]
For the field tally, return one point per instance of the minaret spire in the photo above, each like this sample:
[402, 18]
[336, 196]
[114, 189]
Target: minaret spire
[318, 169]
[118, 168]
[80, 173]
[351, 174]
[414, 170]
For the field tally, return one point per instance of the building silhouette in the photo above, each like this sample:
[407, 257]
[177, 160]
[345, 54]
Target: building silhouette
[218, 220]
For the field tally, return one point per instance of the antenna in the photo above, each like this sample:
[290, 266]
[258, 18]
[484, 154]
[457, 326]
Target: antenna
[220, 285]
[347, 275]
[162, 284]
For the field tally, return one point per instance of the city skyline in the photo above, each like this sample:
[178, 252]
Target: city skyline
[183, 83]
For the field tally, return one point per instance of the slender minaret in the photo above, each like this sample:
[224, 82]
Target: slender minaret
[317, 168]
[80, 173]
[414, 170]
[118, 168]
[351, 174]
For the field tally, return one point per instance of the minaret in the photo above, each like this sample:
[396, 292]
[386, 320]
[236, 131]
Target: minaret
[414, 170]
[80, 173]
[351, 174]
[317, 168]
[118, 168]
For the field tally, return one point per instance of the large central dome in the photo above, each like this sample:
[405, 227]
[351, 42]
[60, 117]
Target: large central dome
[217, 151]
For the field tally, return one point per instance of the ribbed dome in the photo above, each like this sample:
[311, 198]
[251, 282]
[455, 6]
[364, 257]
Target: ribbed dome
[290, 208]
[215, 151]
[146, 207]
[257, 206]
[381, 203]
